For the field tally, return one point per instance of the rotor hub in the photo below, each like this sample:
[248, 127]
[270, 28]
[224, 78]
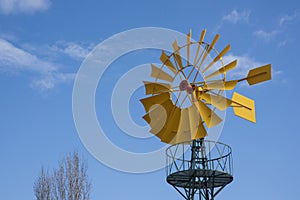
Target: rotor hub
[185, 86]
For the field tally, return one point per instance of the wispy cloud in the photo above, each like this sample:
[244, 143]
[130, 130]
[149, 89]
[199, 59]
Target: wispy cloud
[12, 57]
[235, 16]
[15, 59]
[267, 36]
[279, 30]
[244, 64]
[23, 6]
[283, 43]
[72, 49]
[50, 80]
[287, 18]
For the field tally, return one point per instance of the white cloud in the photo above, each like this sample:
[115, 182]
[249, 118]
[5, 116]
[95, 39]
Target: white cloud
[283, 43]
[270, 35]
[244, 64]
[235, 16]
[51, 80]
[14, 59]
[72, 49]
[267, 36]
[23, 6]
[288, 18]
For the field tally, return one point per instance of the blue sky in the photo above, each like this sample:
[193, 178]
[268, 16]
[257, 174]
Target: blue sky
[43, 43]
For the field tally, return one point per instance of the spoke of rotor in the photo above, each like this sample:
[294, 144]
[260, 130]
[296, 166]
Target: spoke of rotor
[188, 42]
[218, 57]
[183, 100]
[173, 89]
[184, 76]
[178, 98]
[199, 46]
[207, 82]
[198, 68]
[195, 63]
[165, 59]
[197, 59]
[169, 90]
[210, 47]
[203, 52]
[191, 101]
[176, 54]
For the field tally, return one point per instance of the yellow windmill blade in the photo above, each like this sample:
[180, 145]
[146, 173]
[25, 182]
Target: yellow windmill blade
[243, 107]
[210, 47]
[164, 58]
[222, 70]
[200, 131]
[196, 123]
[153, 100]
[259, 74]
[218, 57]
[197, 56]
[170, 129]
[160, 74]
[191, 126]
[222, 53]
[188, 46]
[217, 101]
[162, 115]
[155, 87]
[184, 129]
[221, 85]
[177, 56]
[173, 125]
[158, 116]
[210, 118]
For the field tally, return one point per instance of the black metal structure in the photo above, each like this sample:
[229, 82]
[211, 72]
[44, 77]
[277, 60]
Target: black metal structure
[199, 169]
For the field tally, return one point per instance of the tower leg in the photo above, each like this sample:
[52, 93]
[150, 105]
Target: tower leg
[199, 161]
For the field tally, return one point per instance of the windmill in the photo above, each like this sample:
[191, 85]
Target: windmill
[183, 104]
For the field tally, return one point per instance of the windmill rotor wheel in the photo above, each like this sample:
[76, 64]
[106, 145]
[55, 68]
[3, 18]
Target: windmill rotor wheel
[189, 77]
[187, 95]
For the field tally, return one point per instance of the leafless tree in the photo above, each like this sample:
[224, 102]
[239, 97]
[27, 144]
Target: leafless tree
[68, 182]
[42, 186]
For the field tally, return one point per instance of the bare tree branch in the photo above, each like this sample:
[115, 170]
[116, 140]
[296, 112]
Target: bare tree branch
[42, 186]
[68, 182]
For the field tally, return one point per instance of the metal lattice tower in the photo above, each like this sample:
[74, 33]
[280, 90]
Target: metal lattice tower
[199, 169]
